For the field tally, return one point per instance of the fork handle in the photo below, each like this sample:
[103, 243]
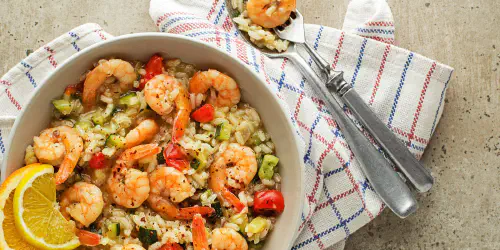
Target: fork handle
[319, 60]
[404, 160]
[386, 182]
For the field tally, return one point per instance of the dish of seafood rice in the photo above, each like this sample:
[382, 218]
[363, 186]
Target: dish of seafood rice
[146, 155]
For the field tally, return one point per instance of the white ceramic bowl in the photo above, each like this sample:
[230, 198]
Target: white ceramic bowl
[37, 113]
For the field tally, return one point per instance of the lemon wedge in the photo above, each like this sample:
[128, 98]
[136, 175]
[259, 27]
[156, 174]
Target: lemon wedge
[36, 211]
[9, 236]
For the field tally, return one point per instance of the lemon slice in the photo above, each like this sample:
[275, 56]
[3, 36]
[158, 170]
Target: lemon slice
[9, 236]
[36, 211]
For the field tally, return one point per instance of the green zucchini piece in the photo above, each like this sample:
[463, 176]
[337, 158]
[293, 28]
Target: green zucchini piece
[98, 118]
[85, 125]
[255, 139]
[147, 236]
[218, 210]
[113, 230]
[63, 106]
[257, 225]
[223, 131]
[129, 99]
[160, 158]
[195, 164]
[266, 170]
[115, 141]
[94, 228]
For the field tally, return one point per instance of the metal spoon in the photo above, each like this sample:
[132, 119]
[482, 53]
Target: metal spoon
[386, 182]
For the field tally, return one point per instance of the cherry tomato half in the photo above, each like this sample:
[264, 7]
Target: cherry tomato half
[205, 113]
[178, 164]
[171, 246]
[269, 202]
[98, 161]
[174, 151]
[153, 67]
[88, 238]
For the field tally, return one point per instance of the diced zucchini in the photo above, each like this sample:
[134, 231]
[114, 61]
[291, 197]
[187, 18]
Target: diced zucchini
[84, 125]
[94, 228]
[147, 236]
[255, 139]
[64, 106]
[266, 170]
[218, 210]
[109, 152]
[98, 118]
[199, 161]
[240, 219]
[160, 158]
[115, 141]
[129, 99]
[195, 164]
[257, 225]
[223, 131]
[113, 230]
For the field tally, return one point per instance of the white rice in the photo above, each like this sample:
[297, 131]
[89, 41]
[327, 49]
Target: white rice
[258, 35]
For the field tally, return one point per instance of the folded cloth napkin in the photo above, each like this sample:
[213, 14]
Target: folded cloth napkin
[405, 89]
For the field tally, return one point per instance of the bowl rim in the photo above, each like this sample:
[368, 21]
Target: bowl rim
[116, 39]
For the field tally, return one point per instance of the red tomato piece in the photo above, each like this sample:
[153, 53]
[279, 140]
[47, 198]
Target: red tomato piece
[153, 67]
[171, 246]
[98, 161]
[269, 202]
[88, 238]
[178, 164]
[174, 151]
[205, 113]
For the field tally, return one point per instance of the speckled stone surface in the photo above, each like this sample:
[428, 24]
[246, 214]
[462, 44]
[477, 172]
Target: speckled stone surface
[462, 211]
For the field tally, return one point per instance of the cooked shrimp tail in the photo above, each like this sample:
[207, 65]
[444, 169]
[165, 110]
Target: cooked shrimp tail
[234, 168]
[228, 92]
[59, 146]
[163, 93]
[200, 239]
[129, 187]
[169, 187]
[143, 132]
[122, 70]
[82, 202]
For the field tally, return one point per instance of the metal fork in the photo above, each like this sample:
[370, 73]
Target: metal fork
[293, 31]
[386, 182]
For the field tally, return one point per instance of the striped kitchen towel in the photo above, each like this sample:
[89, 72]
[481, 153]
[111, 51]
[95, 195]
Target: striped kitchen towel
[405, 89]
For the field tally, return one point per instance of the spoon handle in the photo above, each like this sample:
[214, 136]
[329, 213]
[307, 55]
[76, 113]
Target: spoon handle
[386, 182]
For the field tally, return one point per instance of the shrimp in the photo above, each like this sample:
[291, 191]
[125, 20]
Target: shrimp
[270, 13]
[143, 132]
[59, 146]
[200, 239]
[129, 187]
[83, 202]
[227, 89]
[235, 167]
[132, 247]
[161, 93]
[169, 187]
[222, 238]
[122, 70]
[228, 239]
